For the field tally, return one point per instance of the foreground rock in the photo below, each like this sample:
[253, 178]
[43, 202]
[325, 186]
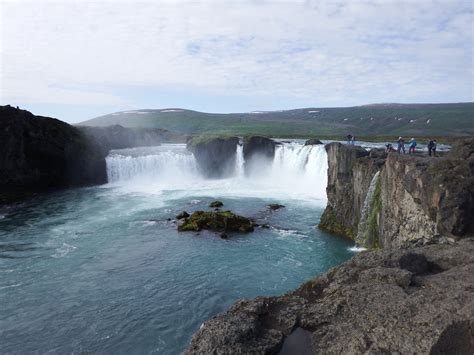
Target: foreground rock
[225, 221]
[416, 199]
[215, 155]
[387, 301]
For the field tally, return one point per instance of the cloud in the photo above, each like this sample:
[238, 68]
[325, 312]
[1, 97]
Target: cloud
[318, 53]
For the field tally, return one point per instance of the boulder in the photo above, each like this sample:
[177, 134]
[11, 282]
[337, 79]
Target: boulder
[215, 155]
[222, 222]
[216, 204]
[275, 206]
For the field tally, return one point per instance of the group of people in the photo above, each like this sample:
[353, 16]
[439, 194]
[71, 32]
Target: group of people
[432, 144]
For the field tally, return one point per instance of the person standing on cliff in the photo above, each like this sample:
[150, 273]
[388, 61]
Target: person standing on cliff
[401, 145]
[412, 148]
[349, 138]
[430, 147]
[353, 138]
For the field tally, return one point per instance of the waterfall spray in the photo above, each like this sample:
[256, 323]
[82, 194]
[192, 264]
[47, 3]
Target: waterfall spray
[297, 171]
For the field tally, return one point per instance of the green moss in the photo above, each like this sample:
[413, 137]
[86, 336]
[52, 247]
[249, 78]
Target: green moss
[204, 139]
[221, 221]
[372, 220]
[329, 223]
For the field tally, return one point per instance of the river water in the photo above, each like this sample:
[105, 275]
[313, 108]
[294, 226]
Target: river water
[103, 269]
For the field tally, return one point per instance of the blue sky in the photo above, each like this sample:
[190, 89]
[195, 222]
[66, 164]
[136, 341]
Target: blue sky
[79, 59]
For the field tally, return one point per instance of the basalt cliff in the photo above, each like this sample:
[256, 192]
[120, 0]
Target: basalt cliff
[41, 153]
[414, 199]
[413, 294]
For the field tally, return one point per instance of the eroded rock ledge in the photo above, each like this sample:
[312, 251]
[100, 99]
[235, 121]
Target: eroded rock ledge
[418, 300]
[417, 199]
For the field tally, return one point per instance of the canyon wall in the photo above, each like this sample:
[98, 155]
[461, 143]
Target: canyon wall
[42, 153]
[416, 199]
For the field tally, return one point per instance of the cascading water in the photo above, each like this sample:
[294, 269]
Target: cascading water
[365, 232]
[297, 171]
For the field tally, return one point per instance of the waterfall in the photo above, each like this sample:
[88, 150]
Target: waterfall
[297, 171]
[366, 231]
[165, 164]
[239, 161]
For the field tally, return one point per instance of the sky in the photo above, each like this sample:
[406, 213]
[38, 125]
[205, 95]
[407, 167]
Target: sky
[76, 60]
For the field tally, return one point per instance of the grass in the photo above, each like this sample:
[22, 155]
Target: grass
[391, 120]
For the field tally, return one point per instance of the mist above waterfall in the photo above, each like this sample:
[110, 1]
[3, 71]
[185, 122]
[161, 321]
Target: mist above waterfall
[296, 172]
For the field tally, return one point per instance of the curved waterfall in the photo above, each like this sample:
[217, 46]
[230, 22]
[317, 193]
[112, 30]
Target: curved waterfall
[296, 171]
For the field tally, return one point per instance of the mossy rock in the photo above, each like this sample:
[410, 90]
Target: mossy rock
[225, 221]
[216, 204]
[182, 215]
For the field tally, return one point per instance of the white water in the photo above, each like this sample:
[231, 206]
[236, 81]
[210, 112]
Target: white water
[362, 231]
[297, 172]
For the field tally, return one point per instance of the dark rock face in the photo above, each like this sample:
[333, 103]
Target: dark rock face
[425, 198]
[258, 151]
[418, 199]
[313, 141]
[216, 221]
[258, 145]
[387, 301]
[42, 152]
[215, 156]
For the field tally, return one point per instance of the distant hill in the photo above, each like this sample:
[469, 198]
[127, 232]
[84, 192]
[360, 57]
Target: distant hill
[452, 119]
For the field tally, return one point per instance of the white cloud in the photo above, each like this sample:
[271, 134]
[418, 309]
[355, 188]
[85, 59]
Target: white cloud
[323, 53]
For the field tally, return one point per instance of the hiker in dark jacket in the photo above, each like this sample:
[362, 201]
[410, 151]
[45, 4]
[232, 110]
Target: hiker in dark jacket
[431, 144]
[401, 145]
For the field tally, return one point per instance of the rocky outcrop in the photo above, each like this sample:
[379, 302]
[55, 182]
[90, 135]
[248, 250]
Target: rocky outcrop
[419, 301]
[43, 152]
[215, 155]
[416, 200]
[258, 153]
[350, 171]
[258, 145]
[223, 222]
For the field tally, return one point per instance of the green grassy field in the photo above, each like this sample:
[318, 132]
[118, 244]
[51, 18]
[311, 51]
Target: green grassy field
[370, 120]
